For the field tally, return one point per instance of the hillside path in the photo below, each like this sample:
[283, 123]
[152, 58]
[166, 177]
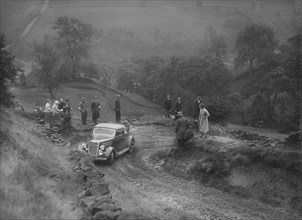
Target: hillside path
[139, 184]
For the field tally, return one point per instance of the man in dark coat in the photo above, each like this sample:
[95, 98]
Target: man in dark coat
[181, 129]
[62, 105]
[68, 108]
[95, 110]
[196, 108]
[178, 107]
[168, 106]
[117, 109]
[83, 109]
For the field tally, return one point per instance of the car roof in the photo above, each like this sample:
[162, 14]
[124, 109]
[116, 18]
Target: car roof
[109, 125]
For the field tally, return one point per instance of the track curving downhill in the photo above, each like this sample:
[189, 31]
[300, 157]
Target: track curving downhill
[139, 184]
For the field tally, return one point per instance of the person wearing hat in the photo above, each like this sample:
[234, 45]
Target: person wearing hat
[83, 109]
[178, 107]
[95, 110]
[203, 120]
[168, 106]
[181, 129]
[196, 107]
[117, 109]
[68, 108]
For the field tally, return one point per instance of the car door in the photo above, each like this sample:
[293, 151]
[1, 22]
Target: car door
[119, 140]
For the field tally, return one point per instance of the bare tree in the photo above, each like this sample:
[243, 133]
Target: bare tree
[74, 36]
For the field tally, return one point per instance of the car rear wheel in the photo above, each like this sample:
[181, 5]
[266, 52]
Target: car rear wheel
[111, 158]
[131, 147]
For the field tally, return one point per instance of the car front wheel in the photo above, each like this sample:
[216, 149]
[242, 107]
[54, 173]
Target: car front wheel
[131, 147]
[111, 158]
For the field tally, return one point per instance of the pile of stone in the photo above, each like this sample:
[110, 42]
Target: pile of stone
[246, 135]
[51, 134]
[95, 199]
[238, 134]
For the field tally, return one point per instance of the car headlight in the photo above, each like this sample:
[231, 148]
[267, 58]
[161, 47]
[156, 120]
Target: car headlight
[84, 146]
[102, 147]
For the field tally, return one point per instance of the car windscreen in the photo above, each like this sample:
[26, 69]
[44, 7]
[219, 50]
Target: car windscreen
[103, 132]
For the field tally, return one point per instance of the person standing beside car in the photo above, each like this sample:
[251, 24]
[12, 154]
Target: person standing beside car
[181, 129]
[83, 109]
[117, 109]
[95, 110]
[168, 106]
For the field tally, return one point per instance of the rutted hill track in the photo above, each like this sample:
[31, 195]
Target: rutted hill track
[139, 184]
[137, 181]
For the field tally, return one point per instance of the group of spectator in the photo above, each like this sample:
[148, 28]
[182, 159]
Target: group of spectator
[201, 115]
[53, 110]
[59, 107]
[95, 110]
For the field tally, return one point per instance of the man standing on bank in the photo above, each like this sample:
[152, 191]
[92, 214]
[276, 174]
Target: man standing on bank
[181, 129]
[168, 106]
[178, 107]
[95, 109]
[117, 109]
[196, 108]
[83, 109]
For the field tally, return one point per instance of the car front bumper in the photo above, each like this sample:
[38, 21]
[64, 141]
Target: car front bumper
[104, 156]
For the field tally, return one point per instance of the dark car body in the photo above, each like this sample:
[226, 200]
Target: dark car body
[109, 141]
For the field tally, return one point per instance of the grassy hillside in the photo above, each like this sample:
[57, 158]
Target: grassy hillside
[131, 104]
[36, 178]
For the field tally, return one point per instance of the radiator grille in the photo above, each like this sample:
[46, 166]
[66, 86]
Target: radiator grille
[93, 149]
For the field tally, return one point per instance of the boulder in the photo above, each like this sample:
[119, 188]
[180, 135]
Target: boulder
[106, 215]
[103, 200]
[86, 202]
[109, 207]
[100, 204]
[100, 189]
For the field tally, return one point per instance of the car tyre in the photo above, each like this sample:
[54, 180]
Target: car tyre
[111, 158]
[131, 147]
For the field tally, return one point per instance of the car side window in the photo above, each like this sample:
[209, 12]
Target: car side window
[119, 132]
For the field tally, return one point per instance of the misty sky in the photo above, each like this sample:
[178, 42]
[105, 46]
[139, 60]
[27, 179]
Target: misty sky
[182, 17]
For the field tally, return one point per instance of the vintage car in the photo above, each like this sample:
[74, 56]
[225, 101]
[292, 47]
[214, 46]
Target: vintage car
[109, 141]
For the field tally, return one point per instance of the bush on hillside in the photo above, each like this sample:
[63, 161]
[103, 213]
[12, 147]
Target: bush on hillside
[219, 110]
[8, 73]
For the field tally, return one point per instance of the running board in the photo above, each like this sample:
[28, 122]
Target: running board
[122, 152]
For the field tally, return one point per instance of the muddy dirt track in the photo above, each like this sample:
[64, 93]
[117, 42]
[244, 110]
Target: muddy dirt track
[138, 183]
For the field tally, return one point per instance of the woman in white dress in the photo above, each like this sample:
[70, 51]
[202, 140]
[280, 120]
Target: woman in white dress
[203, 120]
[48, 113]
[55, 108]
